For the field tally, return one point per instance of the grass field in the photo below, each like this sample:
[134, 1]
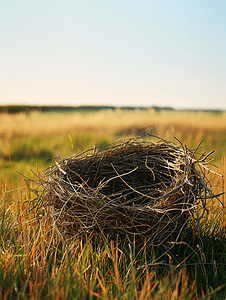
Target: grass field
[34, 264]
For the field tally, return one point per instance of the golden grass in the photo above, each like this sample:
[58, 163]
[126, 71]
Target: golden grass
[107, 122]
[25, 236]
[25, 253]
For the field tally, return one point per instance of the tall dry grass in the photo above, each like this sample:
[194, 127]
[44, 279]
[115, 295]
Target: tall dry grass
[39, 136]
[107, 122]
[35, 264]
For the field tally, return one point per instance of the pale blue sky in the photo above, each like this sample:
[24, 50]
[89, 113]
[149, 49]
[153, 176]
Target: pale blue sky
[123, 53]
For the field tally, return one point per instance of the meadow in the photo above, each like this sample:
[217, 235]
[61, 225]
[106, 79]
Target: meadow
[34, 264]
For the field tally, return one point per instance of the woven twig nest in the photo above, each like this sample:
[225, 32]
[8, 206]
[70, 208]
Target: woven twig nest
[134, 190]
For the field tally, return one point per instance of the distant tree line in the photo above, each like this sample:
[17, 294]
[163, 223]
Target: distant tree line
[12, 109]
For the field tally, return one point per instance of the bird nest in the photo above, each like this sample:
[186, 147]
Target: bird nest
[132, 190]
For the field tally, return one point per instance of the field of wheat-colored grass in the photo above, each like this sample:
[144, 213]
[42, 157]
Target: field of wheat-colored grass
[35, 263]
[108, 121]
[37, 137]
